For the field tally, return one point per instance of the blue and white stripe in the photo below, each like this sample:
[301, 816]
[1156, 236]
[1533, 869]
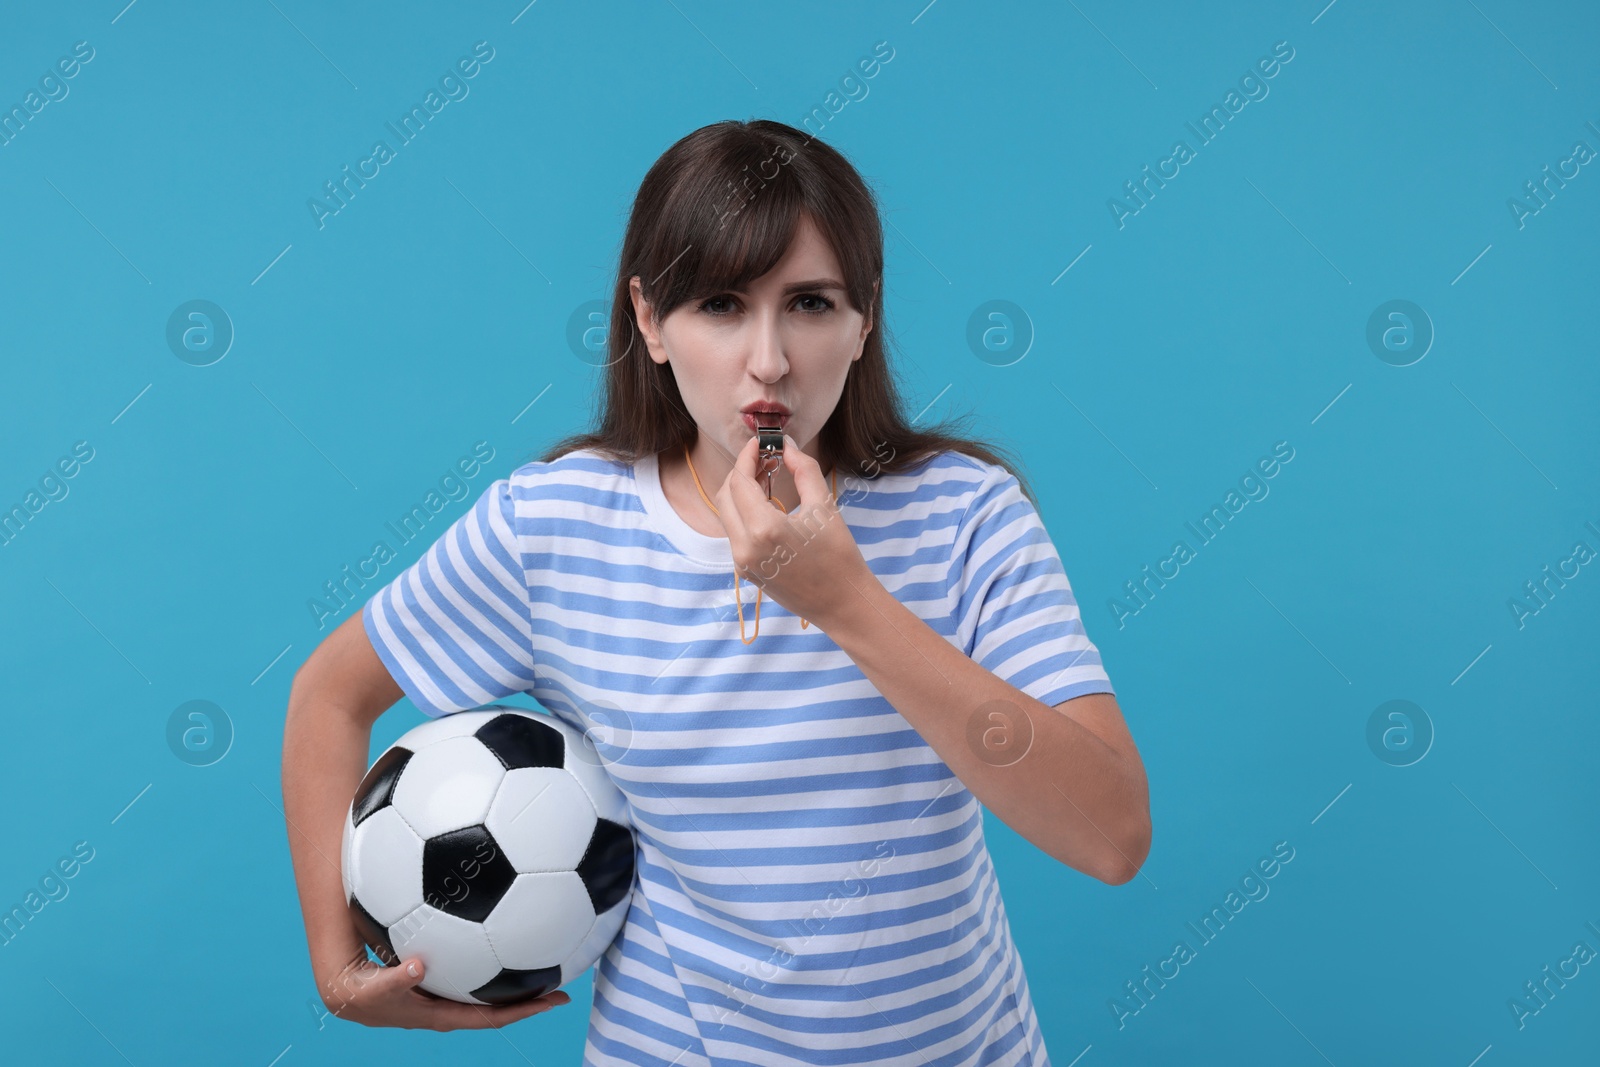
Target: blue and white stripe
[814, 886]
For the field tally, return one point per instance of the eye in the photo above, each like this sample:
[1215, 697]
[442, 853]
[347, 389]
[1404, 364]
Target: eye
[827, 305]
[710, 306]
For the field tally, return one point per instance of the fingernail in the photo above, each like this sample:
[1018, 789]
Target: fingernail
[411, 969]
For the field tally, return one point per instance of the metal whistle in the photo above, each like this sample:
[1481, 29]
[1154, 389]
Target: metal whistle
[771, 446]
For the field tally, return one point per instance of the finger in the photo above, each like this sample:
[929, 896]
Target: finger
[746, 513]
[454, 1015]
[536, 1006]
[741, 491]
[749, 473]
[406, 976]
[504, 1014]
[734, 510]
[806, 471]
[748, 461]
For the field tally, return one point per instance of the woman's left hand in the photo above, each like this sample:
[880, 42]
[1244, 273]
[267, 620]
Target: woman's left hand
[807, 561]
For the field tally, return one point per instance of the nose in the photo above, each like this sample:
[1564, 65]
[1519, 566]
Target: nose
[766, 360]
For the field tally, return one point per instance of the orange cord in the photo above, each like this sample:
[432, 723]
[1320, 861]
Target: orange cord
[737, 600]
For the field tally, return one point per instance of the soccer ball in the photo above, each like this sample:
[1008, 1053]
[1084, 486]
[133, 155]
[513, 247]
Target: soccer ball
[493, 845]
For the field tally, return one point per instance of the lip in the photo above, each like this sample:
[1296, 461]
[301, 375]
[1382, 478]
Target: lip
[754, 420]
[765, 413]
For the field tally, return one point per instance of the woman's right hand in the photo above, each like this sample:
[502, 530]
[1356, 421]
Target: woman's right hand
[337, 695]
[366, 993]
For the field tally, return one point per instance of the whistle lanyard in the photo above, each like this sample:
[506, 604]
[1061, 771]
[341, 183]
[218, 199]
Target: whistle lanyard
[738, 602]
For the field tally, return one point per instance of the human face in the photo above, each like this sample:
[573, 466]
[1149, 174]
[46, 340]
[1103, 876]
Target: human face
[787, 342]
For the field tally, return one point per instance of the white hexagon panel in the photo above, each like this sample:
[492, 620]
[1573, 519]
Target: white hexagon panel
[448, 785]
[457, 952]
[541, 920]
[588, 954]
[385, 866]
[608, 801]
[543, 819]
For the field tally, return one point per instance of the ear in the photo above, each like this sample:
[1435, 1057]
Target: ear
[866, 324]
[647, 326]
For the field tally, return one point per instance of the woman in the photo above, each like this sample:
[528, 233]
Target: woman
[805, 684]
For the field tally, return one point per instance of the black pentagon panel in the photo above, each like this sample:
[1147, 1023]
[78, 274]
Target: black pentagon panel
[377, 788]
[373, 933]
[518, 741]
[510, 986]
[465, 873]
[607, 865]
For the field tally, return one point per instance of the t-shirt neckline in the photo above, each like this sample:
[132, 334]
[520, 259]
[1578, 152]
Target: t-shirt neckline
[702, 548]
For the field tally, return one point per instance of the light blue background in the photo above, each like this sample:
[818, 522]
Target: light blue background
[1228, 315]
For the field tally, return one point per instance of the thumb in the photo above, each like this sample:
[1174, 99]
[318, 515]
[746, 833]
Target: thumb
[807, 473]
[411, 972]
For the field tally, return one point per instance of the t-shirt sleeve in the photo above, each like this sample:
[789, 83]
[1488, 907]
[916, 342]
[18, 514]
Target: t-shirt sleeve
[454, 628]
[1013, 608]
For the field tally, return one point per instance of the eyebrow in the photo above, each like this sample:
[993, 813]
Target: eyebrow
[815, 283]
[800, 287]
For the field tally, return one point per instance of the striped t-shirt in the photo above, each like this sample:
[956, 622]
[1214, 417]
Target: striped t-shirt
[813, 885]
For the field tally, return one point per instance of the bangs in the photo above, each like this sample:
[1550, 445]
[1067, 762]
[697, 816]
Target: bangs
[724, 234]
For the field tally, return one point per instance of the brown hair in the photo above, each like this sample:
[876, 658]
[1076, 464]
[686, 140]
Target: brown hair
[716, 211]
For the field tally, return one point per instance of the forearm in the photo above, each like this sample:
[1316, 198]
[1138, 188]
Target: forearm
[324, 758]
[1069, 793]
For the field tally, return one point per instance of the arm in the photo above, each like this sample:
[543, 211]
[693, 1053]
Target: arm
[1078, 790]
[336, 696]
[338, 693]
